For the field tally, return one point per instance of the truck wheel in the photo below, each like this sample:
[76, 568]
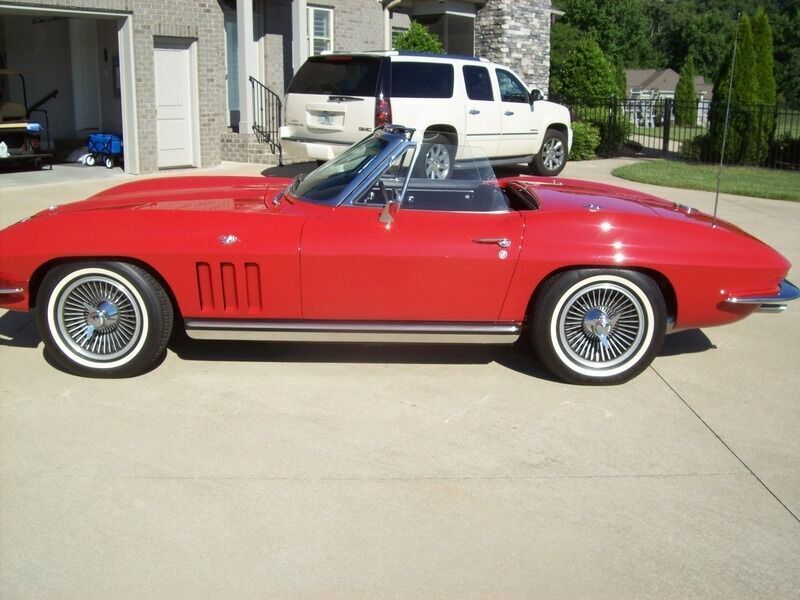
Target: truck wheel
[437, 157]
[552, 156]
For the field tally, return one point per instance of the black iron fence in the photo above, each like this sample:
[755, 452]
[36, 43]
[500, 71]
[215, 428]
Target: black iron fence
[267, 122]
[761, 135]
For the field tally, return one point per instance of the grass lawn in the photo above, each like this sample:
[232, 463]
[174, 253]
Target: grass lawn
[743, 181]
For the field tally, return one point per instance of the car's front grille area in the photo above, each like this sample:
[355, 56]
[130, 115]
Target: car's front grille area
[229, 287]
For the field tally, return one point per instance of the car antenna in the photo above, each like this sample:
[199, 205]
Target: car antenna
[727, 120]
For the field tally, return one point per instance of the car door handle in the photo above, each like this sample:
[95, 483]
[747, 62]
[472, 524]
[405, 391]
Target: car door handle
[474, 111]
[502, 242]
[508, 113]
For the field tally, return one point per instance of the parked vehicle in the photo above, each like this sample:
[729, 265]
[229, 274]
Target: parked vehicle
[364, 250]
[451, 101]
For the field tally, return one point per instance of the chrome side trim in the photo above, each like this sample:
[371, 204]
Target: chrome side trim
[9, 291]
[771, 304]
[338, 331]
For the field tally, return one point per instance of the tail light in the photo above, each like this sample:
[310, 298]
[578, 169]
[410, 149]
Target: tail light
[383, 112]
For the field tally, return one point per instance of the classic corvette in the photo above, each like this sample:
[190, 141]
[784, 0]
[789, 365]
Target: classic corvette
[366, 248]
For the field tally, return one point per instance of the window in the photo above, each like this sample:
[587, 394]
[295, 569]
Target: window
[337, 74]
[422, 80]
[511, 90]
[319, 23]
[478, 82]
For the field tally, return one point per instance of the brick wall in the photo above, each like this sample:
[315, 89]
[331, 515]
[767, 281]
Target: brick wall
[516, 33]
[357, 24]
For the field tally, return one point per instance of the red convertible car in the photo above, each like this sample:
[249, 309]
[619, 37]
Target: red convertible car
[364, 249]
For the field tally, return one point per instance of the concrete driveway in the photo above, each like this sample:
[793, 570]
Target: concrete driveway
[310, 471]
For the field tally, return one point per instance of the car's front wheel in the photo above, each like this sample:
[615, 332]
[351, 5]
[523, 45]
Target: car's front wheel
[598, 326]
[105, 319]
[552, 156]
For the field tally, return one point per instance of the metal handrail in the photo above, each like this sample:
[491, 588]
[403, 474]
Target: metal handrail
[267, 107]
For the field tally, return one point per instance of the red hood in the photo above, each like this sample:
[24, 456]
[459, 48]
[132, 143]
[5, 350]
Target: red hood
[195, 193]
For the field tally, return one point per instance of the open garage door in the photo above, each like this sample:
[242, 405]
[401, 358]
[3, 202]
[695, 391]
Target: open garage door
[78, 71]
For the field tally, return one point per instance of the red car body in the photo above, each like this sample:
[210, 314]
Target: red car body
[246, 249]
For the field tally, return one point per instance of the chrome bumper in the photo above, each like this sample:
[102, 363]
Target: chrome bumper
[770, 304]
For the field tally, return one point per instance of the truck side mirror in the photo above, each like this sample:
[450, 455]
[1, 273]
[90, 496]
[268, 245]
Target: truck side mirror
[536, 94]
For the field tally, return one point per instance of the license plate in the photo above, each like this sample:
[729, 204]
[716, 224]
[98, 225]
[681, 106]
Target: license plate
[325, 118]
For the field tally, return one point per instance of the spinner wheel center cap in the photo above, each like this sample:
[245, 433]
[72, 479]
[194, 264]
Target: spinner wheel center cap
[597, 322]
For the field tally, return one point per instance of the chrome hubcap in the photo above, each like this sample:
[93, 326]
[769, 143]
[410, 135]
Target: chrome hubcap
[437, 162]
[98, 318]
[553, 154]
[602, 325]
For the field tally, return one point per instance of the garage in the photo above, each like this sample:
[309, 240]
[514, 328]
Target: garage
[66, 71]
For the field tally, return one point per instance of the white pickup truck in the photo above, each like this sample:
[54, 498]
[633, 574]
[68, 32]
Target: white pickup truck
[452, 102]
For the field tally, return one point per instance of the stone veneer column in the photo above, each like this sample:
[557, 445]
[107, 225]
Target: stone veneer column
[516, 33]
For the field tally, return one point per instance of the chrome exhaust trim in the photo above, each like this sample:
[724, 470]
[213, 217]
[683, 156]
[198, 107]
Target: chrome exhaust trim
[338, 331]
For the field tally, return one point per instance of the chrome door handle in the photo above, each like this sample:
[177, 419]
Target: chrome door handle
[502, 242]
[474, 111]
[508, 113]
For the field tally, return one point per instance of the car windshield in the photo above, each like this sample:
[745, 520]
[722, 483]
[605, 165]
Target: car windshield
[327, 183]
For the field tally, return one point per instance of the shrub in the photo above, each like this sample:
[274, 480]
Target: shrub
[685, 96]
[696, 149]
[585, 140]
[784, 152]
[583, 75]
[419, 39]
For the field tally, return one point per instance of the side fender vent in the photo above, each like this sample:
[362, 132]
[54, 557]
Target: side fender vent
[229, 288]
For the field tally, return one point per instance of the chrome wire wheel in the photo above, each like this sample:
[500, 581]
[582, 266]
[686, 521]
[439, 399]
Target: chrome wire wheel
[601, 326]
[553, 154]
[598, 326]
[437, 162]
[98, 317]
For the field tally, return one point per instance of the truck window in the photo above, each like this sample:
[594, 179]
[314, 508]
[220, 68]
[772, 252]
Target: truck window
[478, 83]
[422, 80]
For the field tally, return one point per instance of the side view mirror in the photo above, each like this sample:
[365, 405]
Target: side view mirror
[536, 94]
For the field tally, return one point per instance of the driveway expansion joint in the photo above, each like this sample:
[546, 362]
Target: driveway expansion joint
[724, 443]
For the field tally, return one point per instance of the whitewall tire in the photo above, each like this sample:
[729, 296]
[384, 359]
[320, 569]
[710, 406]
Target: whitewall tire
[595, 326]
[107, 319]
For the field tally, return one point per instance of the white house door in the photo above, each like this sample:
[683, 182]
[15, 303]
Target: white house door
[175, 104]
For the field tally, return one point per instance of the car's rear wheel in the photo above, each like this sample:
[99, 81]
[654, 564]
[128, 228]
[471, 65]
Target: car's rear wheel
[438, 157]
[106, 319]
[597, 326]
[552, 156]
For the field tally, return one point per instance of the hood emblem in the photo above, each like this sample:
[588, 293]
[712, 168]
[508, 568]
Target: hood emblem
[228, 239]
[592, 207]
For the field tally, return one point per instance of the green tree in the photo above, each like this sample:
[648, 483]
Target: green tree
[419, 39]
[686, 96]
[584, 75]
[621, 28]
[743, 130]
[765, 83]
[620, 80]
